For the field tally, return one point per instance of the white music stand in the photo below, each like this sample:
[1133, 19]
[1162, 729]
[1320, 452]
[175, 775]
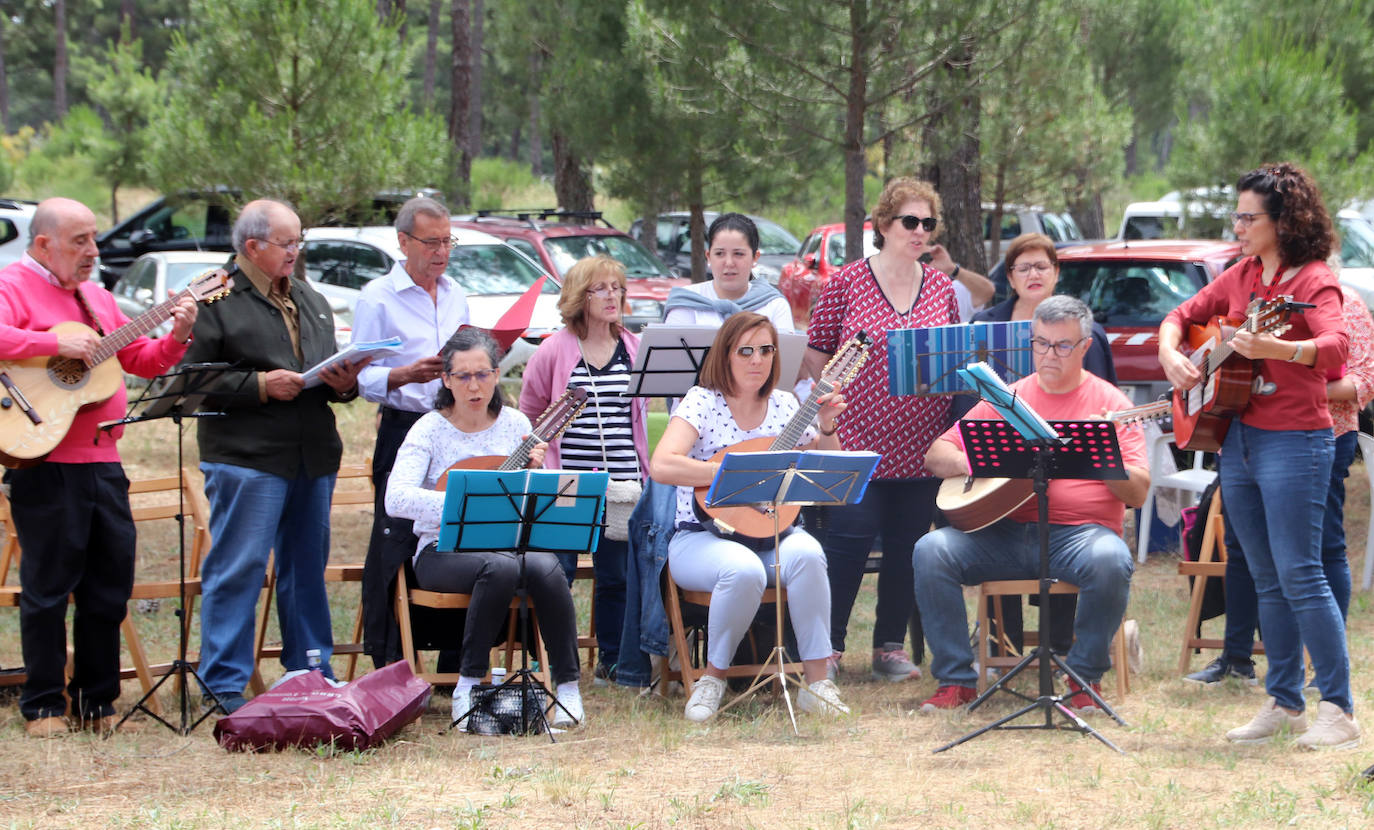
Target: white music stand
[670, 357]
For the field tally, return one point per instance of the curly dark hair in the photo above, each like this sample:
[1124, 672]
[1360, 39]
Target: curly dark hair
[1294, 202]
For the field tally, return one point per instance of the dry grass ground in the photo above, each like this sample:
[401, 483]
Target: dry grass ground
[639, 764]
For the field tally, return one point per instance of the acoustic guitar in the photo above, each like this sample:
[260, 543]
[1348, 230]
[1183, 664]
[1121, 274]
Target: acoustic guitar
[551, 422]
[971, 504]
[41, 395]
[756, 522]
[1202, 415]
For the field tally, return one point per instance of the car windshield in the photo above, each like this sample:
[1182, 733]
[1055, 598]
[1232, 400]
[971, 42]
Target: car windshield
[836, 255]
[180, 274]
[565, 251]
[1128, 293]
[494, 269]
[1357, 243]
[774, 240]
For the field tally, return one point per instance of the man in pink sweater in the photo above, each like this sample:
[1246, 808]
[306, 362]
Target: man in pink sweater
[71, 512]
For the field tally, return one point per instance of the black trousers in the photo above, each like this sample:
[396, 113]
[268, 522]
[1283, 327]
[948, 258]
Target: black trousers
[78, 540]
[492, 579]
[393, 542]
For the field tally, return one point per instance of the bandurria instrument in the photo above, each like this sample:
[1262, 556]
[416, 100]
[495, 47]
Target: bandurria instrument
[1202, 415]
[41, 395]
[756, 522]
[551, 422]
[971, 504]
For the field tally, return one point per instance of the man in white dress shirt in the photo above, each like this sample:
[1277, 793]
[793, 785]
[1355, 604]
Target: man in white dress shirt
[419, 302]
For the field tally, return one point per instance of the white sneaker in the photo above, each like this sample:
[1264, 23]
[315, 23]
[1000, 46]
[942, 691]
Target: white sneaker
[568, 712]
[705, 699]
[822, 698]
[1270, 721]
[1333, 729]
[462, 702]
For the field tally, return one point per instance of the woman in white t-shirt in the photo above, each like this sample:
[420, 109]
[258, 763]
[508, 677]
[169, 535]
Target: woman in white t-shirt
[732, 249]
[470, 420]
[737, 401]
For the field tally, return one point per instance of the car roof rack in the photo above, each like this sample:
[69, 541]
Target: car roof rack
[530, 215]
[14, 204]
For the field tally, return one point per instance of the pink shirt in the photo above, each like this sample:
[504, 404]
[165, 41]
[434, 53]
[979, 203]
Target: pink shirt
[30, 305]
[1359, 365]
[1072, 501]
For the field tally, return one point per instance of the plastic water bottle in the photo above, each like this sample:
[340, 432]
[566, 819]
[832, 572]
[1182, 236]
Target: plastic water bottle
[312, 659]
[498, 675]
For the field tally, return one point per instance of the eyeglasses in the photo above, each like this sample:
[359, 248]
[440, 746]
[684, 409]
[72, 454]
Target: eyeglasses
[1026, 267]
[290, 247]
[606, 290]
[1245, 220]
[910, 222]
[747, 352]
[434, 244]
[468, 377]
[1063, 348]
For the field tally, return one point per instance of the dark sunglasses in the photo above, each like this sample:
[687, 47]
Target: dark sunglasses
[910, 222]
[748, 351]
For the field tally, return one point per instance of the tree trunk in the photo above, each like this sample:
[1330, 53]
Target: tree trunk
[114, 204]
[59, 60]
[571, 184]
[999, 201]
[460, 78]
[431, 52]
[4, 83]
[855, 107]
[536, 142]
[126, 18]
[400, 9]
[475, 102]
[1087, 210]
[696, 224]
[515, 135]
[648, 227]
[952, 140]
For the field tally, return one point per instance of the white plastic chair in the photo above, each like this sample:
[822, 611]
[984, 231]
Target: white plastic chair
[1194, 479]
[1366, 442]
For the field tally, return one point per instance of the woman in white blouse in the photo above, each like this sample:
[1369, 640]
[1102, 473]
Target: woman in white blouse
[737, 401]
[469, 419]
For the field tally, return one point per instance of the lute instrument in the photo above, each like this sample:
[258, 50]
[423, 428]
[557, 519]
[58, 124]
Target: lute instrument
[755, 522]
[1202, 414]
[971, 504]
[550, 423]
[40, 396]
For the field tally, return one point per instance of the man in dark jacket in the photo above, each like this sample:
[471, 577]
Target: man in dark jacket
[270, 462]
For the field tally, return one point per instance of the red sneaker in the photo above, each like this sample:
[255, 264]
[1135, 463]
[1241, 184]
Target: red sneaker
[949, 697]
[1080, 701]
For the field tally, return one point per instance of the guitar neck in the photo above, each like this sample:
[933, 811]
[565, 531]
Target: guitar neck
[796, 427]
[520, 459]
[111, 343]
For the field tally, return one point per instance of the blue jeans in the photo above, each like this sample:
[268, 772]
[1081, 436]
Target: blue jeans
[1090, 556]
[1288, 472]
[251, 513]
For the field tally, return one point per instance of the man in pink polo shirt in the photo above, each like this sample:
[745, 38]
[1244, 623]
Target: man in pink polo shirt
[71, 511]
[1086, 547]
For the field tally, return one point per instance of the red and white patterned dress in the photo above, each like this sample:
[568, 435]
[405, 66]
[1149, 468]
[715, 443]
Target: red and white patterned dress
[901, 428]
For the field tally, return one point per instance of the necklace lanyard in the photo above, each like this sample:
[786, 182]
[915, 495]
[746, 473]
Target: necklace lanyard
[1267, 292]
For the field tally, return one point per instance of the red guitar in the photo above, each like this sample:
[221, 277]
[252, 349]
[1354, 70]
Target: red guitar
[1203, 414]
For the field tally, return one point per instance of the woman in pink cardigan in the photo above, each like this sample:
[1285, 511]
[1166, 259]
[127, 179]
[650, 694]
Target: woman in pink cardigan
[594, 352]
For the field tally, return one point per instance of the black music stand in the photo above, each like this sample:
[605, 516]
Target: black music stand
[177, 395]
[766, 480]
[1085, 450]
[553, 511]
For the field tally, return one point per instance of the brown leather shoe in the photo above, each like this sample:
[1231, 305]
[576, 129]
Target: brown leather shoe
[46, 727]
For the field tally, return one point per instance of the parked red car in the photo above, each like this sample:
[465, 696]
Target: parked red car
[573, 235]
[1131, 286]
[820, 256]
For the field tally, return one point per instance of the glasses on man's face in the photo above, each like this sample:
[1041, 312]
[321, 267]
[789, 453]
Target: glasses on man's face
[481, 376]
[434, 244]
[1063, 348]
[747, 352]
[1025, 268]
[290, 247]
[1245, 220]
[606, 291]
[910, 222]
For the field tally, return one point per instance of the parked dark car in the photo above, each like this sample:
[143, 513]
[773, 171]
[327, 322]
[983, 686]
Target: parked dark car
[777, 247]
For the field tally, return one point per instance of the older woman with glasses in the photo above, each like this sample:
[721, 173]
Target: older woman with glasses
[594, 352]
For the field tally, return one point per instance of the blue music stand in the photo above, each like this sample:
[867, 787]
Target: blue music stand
[765, 480]
[521, 511]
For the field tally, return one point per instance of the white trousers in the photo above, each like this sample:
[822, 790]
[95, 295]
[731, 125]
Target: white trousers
[736, 577]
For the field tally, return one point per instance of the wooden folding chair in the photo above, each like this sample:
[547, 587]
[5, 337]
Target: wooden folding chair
[991, 629]
[1210, 564]
[692, 661]
[407, 597]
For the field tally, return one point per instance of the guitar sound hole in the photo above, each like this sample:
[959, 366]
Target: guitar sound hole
[67, 371]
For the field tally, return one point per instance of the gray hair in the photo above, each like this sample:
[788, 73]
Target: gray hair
[1062, 307]
[405, 217]
[465, 339]
[254, 222]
